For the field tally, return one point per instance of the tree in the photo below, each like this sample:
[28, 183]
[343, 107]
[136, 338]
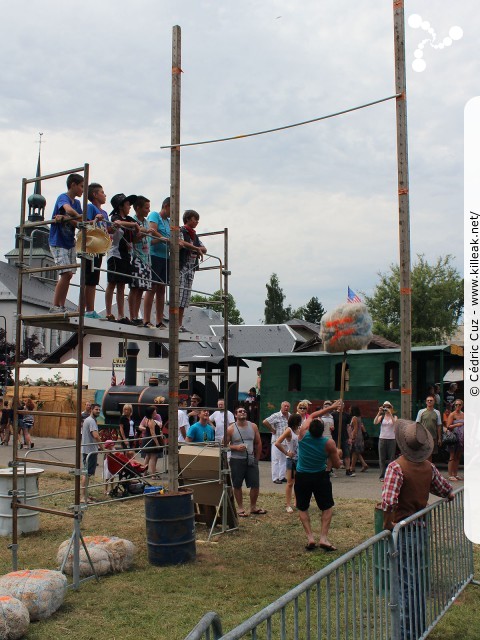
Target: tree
[275, 313]
[7, 358]
[233, 314]
[313, 311]
[437, 301]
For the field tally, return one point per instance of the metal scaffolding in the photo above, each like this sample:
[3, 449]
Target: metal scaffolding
[76, 322]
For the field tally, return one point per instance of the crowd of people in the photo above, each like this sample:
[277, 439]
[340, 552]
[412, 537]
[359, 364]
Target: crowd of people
[26, 421]
[138, 255]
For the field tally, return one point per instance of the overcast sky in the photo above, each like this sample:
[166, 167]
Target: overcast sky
[316, 204]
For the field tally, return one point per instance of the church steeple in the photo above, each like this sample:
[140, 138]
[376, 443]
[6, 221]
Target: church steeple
[36, 202]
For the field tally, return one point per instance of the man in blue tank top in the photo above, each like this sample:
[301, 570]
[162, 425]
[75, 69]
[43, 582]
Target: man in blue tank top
[312, 477]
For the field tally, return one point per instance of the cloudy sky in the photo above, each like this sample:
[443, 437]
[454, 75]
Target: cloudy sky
[316, 204]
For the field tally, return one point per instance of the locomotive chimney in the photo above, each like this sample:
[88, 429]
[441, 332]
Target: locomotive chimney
[131, 351]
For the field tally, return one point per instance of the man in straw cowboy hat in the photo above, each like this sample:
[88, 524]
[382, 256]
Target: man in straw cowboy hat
[408, 482]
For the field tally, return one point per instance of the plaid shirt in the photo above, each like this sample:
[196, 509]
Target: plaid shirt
[394, 481]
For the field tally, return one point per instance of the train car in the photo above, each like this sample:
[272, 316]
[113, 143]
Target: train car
[372, 376]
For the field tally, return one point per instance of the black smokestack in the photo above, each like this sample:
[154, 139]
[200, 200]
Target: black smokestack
[132, 351]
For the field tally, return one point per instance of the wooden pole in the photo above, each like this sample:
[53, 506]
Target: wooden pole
[342, 393]
[404, 212]
[173, 327]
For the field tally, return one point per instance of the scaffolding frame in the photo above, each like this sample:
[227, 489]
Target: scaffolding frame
[75, 322]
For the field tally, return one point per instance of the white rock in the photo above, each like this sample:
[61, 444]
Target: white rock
[14, 618]
[108, 555]
[42, 591]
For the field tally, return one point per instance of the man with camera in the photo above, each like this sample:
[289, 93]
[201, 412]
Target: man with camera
[243, 439]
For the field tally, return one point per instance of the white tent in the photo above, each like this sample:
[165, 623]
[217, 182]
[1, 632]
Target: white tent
[33, 374]
[70, 375]
[64, 375]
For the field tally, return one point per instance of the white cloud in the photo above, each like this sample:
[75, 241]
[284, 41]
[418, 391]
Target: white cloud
[317, 204]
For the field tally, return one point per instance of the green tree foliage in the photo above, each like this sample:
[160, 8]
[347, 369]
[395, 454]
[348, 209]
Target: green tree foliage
[275, 313]
[313, 311]
[437, 301]
[233, 314]
[7, 356]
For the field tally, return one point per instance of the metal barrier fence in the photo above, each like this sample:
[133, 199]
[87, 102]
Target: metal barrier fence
[394, 586]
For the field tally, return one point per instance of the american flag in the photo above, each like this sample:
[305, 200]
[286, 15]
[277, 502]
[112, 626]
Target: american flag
[352, 296]
[113, 382]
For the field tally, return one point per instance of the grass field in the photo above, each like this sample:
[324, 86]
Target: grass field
[236, 575]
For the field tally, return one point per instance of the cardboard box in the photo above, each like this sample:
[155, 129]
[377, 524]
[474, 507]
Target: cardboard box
[200, 462]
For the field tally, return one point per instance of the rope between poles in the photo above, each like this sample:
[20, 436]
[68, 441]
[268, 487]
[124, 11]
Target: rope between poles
[287, 126]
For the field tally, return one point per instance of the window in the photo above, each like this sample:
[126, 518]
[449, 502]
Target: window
[295, 377]
[95, 349]
[338, 377]
[157, 350]
[392, 376]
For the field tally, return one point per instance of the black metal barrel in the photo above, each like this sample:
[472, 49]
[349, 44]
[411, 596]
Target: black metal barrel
[170, 525]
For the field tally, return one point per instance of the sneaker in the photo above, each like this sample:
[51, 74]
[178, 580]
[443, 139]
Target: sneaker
[110, 317]
[350, 474]
[333, 474]
[283, 480]
[137, 322]
[160, 325]
[184, 330]
[56, 309]
[148, 325]
[124, 321]
[93, 315]
[277, 482]
[289, 509]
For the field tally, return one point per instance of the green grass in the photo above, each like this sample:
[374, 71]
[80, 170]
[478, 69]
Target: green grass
[236, 575]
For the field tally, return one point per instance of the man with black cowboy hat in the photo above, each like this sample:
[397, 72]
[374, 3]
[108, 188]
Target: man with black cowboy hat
[119, 256]
[408, 482]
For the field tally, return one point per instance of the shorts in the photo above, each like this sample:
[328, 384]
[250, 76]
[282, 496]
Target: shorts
[141, 275]
[291, 465]
[63, 256]
[90, 462]
[185, 282]
[159, 270]
[346, 449]
[92, 275]
[117, 270]
[240, 471]
[319, 485]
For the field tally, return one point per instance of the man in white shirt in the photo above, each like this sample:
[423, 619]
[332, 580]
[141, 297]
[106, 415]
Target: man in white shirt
[218, 420]
[183, 422]
[276, 424]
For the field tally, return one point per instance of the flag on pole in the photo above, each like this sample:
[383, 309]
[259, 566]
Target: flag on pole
[113, 382]
[352, 296]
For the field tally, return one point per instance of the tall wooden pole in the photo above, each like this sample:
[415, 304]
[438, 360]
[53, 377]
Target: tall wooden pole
[173, 327]
[403, 211]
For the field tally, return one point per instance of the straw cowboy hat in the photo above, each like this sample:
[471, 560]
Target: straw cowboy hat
[414, 441]
[98, 242]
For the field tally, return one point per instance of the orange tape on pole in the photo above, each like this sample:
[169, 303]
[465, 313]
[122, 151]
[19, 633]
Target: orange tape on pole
[406, 392]
[405, 291]
[176, 70]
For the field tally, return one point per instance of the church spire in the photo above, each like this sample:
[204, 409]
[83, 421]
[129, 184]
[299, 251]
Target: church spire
[38, 185]
[36, 202]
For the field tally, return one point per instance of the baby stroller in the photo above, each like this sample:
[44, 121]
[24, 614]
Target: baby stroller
[126, 475]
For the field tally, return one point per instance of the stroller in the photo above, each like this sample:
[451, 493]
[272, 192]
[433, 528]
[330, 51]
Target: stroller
[126, 475]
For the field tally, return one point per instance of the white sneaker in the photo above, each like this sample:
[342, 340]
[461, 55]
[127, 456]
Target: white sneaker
[289, 510]
[56, 309]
